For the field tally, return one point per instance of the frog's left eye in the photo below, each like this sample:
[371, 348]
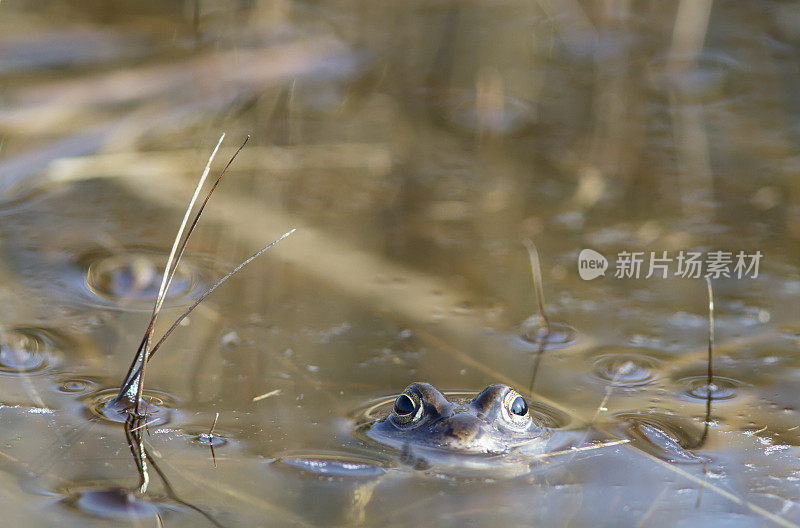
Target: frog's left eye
[404, 405]
[407, 408]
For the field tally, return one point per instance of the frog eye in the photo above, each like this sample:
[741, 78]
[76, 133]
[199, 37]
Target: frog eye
[407, 408]
[518, 406]
[404, 405]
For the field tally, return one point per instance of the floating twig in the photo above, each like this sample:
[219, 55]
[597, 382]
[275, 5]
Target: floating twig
[267, 395]
[144, 425]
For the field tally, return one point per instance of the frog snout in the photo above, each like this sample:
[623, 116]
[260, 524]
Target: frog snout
[470, 434]
[464, 427]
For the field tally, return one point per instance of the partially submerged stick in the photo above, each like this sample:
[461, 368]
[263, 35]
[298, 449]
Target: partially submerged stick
[710, 387]
[133, 384]
[141, 457]
[210, 437]
[710, 384]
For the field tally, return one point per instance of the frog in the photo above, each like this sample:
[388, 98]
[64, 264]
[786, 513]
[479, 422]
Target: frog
[492, 435]
[495, 422]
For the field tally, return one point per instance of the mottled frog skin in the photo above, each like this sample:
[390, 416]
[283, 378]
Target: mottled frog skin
[495, 422]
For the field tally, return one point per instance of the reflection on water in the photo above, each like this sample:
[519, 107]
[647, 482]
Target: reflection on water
[24, 350]
[114, 503]
[664, 436]
[124, 277]
[75, 385]
[720, 389]
[332, 465]
[101, 405]
[625, 369]
[414, 146]
[555, 335]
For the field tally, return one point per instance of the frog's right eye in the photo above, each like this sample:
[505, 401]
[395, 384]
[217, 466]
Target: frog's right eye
[407, 408]
[404, 405]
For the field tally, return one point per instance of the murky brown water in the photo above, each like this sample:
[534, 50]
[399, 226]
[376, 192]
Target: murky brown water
[414, 145]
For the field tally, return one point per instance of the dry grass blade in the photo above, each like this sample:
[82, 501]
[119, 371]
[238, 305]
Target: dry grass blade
[216, 285]
[213, 425]
[581, 449]
[133, 384]
[165, 281]
[146, 424]
[169, 272]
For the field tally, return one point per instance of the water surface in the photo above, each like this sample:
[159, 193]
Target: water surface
[414, 146]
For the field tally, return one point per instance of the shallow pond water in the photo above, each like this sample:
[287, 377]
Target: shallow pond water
[414, 146]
